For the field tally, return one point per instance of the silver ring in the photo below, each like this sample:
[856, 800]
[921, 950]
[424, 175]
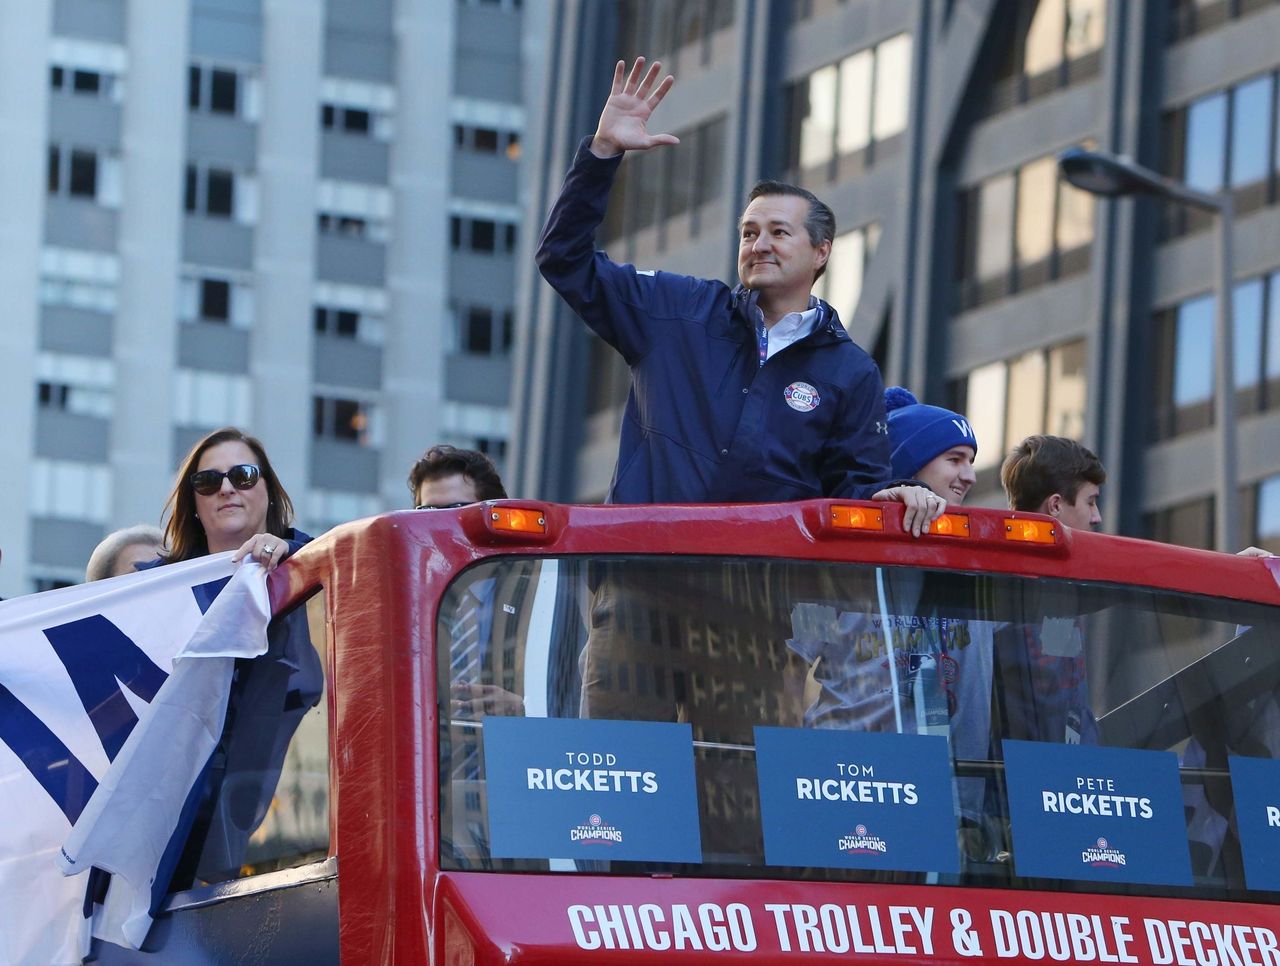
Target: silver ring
[270, 549]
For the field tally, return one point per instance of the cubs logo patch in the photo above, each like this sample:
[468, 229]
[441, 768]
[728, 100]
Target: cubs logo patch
[801, 397]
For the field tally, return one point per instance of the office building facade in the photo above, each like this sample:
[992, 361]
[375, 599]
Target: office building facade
[294, 216]
[972, 272]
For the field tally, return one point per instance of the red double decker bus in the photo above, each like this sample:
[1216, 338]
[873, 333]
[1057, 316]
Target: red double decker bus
[808, 621]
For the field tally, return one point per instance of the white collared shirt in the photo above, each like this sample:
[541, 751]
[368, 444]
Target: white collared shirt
[792, 327]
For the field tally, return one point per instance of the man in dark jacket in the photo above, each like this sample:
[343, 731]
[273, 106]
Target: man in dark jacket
[754, 393]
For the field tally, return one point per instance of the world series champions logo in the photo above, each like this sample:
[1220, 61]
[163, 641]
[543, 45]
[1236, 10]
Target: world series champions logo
[862, 842]
[1103, 856]
[595, 831]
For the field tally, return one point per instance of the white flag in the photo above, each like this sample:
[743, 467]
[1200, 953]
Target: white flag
[102, 714]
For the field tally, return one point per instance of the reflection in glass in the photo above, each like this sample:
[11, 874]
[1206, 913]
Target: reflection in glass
[893, 86]
[1037, 182]
[1246, 312]
[995, 226]
[1250, 131]
[1086, 26]
[1025, 407]
[854, 130]
[1075, 217]
[984, 402]
[1206, 142]
[817, 130]
[843, 277]
[1193, 353]
[1043, 50]
[1067, 390]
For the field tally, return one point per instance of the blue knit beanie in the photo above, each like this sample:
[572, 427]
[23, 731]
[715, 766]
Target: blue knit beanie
[918, 433]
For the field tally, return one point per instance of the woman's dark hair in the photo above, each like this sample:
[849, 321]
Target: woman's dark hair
[184, 534]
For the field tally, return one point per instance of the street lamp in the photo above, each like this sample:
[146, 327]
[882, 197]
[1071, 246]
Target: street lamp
[1112, 176]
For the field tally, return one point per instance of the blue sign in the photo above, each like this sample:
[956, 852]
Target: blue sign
[854, 800]
[1104, 814]
[1255, 783]
[566, 788]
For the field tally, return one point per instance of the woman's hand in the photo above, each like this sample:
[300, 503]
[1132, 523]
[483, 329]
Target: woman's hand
[268, 549]
[923, 506]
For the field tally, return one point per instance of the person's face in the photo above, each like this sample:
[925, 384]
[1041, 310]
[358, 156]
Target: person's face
[1083, 514]
[231, 516]
[135, 553]
[446, 492]
[950, 474]
[774, 251]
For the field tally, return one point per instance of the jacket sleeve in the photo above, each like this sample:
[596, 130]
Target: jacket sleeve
[618, 302]
[855, 459]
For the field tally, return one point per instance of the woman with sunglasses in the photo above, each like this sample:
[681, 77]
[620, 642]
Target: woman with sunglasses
[227, 497]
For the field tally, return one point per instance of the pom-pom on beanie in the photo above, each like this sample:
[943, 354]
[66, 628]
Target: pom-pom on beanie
[918, 433]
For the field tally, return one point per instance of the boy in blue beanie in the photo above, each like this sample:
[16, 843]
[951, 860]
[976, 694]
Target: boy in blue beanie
[937, 680]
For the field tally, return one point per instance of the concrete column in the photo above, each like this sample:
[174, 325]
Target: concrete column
[24, 113]
[284, 243]
[418, 256]
[153, 142]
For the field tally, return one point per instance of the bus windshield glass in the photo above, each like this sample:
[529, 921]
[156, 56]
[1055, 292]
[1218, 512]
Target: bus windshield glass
[736, 648]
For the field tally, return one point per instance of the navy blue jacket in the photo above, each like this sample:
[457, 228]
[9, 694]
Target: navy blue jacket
[705, 422]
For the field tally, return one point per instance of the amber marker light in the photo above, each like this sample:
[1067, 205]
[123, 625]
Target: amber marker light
[950, 525]
[857, 518]
[1029, 531]
[506, 519]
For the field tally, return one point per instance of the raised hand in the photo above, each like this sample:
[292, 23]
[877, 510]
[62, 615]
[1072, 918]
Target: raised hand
[626, 113]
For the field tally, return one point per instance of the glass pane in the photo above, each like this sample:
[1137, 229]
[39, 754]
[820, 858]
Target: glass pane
[984, 399]
[817, 130]
[844, 274]
[1067, 390]
[84, 174]
[893, 86]
[220, 186]
[854, 130]
[708, 184]
[1193, 354]
[1250, 131]
[1246, 317]
[1273, 329]
[1025, 407]
[222, 91]
[1043, 50]
[995, 226]
[680, 167]
[1037, 184]
[1206, 142]
[1086, 26]
[728, 644]
[1075, 217]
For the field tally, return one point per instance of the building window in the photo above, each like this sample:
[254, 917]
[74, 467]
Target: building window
[206, 400]
[842, 114]
[654, 187]
[1190, 17]
[487, 140]
[483, 235]
[1266, 515]
[1019, 230]
[68, 490]
[484, 330]
[215, 90]
[210, 191]
[1053, 44]
[216, 298]
[1188, 524]
[79, 279]
[349, 312]
[667, 26]
[74, 172]
[841, 284]
[347, 420]
[1222, 140]
[356, 121]
[82, 82]
[1184, 357]
[343, 323]
[1042, 391]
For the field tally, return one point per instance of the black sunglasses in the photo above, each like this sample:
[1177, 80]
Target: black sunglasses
[243, 476]
[442, 506]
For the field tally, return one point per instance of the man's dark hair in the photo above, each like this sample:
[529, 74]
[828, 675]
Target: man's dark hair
[441, 461]
[1041, 466]
[820, 222]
